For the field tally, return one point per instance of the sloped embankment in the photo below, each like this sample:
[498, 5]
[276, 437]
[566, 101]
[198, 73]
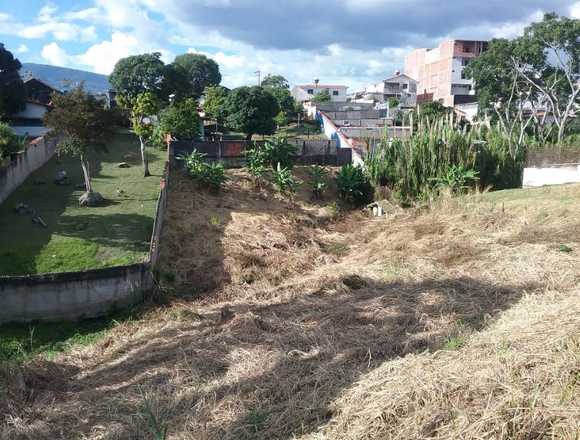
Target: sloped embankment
[454, 321]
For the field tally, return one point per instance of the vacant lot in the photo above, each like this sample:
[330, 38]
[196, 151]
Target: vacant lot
[455, 320]
[79, 238]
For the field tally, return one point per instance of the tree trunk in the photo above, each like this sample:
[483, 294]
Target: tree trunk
[249, 137]
[562, 129]
[144, 158]
[86, 174]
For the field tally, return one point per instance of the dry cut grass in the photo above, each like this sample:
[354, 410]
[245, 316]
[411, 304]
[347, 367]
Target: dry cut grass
[440, 322]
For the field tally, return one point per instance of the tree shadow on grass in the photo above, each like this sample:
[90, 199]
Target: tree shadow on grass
[283, 363]
[129, 232]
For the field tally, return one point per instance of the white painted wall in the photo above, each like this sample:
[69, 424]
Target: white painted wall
[551, 176]
[300, 93]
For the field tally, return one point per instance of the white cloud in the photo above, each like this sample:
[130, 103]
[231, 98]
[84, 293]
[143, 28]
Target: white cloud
[23, 48]
[55, 55]
[103, 56]
[59, 30]
[575, 10]
[46, 12]
[88, 14]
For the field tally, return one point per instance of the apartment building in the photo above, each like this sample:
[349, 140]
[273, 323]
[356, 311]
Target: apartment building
[440, 71]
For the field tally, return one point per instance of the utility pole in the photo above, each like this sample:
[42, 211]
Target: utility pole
[259, 73]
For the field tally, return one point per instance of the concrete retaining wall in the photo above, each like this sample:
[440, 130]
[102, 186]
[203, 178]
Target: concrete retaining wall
[23, 164]
[72, 296]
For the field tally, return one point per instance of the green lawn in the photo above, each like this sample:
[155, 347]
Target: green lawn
[21, 342]
[81, 238]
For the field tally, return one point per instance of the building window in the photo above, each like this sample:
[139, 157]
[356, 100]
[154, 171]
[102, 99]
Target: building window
[465, 61]
[310, 91]
[405, 86]
[463, 75]
[335, 93]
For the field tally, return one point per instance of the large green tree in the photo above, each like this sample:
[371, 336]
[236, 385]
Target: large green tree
[278, 86]
[83, 125]
[501, 91]
[251, 110]
[539, 69]
[214, 101]
[275, 81]
[201, 72]
[180, 120]
[12, 92]
[548, 58]
[137, 74]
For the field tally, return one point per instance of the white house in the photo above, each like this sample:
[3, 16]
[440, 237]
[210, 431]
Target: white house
[306, 92]
[399, 86]
[28, 122]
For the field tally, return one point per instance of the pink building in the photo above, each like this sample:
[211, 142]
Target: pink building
[439, 71]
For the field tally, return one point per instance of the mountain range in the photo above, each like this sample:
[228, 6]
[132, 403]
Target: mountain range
[63, 78]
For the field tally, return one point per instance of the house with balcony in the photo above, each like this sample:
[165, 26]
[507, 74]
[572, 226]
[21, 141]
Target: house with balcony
[399, 86]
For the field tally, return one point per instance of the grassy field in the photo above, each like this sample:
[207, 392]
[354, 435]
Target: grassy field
[80, 238]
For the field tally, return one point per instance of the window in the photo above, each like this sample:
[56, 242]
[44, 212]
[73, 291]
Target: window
[463, 75]
[310, 92]
[405, 86]
[335, 93]
[465, 61]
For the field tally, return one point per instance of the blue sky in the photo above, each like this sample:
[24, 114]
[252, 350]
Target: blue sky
[354, 42]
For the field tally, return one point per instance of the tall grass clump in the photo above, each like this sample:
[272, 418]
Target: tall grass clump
[417, 165]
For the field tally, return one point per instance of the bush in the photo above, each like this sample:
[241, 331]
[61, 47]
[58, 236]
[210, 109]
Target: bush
[457, 179]
[284, 181]
[354, 186]
[211, 175]
[280, 151]
[318, 184]
[257, 160]
[9, 142]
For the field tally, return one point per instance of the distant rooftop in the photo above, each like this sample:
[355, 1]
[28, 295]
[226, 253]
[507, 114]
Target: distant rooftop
[321, 85]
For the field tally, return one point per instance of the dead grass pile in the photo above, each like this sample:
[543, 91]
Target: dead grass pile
[428, 323]
[240, 236]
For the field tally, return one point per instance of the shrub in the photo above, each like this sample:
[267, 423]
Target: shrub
[319, 183]
[257, 160]
[211, 175]
[354, 186]
[457, 179]
[284, 181]
[279, 151]
[9, 142]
